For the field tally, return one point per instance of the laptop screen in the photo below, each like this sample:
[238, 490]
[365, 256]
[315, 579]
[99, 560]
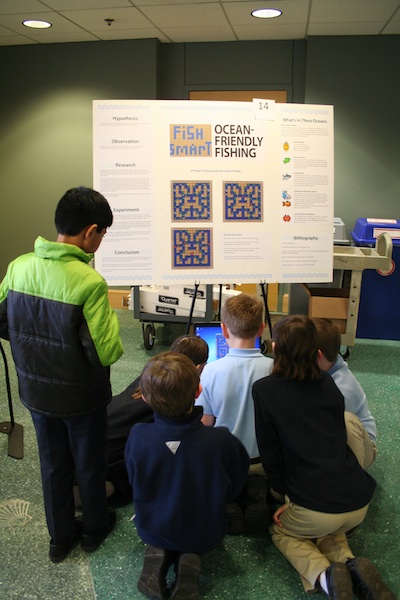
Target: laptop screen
[212, 334]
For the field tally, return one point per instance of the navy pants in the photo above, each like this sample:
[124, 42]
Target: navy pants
[73, 448]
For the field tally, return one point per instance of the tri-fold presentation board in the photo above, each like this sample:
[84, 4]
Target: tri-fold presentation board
[217, 192]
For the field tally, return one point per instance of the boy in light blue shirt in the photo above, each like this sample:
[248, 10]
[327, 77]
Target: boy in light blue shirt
[360, 424]
[227, 400]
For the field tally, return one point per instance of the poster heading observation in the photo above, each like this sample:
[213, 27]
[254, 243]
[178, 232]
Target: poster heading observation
[218, 141]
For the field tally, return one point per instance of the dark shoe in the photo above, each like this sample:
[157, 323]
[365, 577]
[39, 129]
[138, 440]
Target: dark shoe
[57, 552]
[257, 517]
[367, 581]
[339, 582]
[187, 584]
[235, 519]
[256, 489]
[155, 567]
[91, 541]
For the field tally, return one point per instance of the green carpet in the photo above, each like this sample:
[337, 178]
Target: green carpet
[246, 568]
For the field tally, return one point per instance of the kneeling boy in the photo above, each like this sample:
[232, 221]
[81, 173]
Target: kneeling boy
[183, 475]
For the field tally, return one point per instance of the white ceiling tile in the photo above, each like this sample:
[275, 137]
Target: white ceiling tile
[10, 7]
[196, 15]
[62, 5]
[197, 34]
[342, 11]
[15, 40]
[59, 24]
[61, 38]
[345, 28]
[392, 28]
[128, 34]
[293, 11]
[140, 3]
[396, 16]
[279, 32]
[124, 18]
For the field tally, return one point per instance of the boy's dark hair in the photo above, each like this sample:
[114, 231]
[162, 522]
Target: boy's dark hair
[80, 207]
[169, 383]
[329, 338]
[192, 346]
[242, 315]
[295, 348]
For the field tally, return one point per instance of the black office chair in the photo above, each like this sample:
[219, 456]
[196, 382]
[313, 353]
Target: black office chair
[14, 431]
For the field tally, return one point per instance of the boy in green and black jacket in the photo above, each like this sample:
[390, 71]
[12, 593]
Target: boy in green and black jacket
[64, 336]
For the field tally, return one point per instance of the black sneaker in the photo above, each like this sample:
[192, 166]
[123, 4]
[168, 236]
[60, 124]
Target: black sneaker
[187, 584]
[339, 582]
[367, 581]
[257, 519]
[91, 541]
[155, 567]
[57, 552]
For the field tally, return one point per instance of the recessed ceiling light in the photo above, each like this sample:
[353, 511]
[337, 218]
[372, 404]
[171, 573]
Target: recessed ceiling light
[36, 24]
[266, 13]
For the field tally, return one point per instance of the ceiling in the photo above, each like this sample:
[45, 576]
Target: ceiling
[193, 20]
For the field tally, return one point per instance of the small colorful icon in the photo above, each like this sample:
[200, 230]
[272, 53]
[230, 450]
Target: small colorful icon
[286, 161]
[286, 196]
[286, 177]
[286, 203]
[286, 146]
[286, 218]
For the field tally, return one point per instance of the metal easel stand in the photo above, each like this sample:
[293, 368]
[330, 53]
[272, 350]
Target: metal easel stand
[264, 292]
[356, 259]
[196, 287]
[14, 431]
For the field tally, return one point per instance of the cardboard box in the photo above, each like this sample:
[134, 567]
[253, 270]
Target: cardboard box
[226, 293]
[254, 290]
[119, 298]
[329, 303]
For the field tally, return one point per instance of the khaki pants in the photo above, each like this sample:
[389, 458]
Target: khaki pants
[312, 540]
[359, 441]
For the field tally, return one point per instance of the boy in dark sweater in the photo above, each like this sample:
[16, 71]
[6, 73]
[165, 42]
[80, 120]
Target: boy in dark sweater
[128, 408]
[183, 474]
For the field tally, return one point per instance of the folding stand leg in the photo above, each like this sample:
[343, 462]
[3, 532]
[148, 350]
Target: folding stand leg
[196, 287]
[14, 430]
[263, 285]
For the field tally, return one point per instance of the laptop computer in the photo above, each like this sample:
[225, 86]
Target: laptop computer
[212, 334]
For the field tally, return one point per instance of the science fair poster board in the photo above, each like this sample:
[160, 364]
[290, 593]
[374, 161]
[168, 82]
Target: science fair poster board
[214, 192]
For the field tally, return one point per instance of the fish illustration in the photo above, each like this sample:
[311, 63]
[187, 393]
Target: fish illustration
[286, 176]
[286, 203]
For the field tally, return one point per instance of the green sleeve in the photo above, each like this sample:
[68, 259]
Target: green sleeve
[103, 325]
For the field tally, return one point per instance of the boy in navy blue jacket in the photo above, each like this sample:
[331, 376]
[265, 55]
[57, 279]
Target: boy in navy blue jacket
[183, 474]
